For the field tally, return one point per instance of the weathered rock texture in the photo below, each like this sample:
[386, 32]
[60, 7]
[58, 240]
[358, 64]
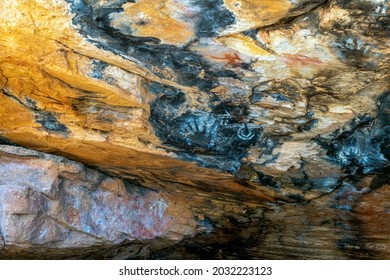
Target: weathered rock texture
[51, 207]
[259, 110]
[56, 206]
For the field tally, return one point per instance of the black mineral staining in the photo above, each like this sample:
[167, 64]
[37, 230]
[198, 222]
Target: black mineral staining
[379, 180]
[247, 173]
[251, 33]
[231, 112]
[306, 5]
[214, 17]
[308, 126]
[308, 183]
[280, 92]
[268, 180]
[216, 138]
[97, 69]
[354, 51]
[208, 133]
[257, 95]
[325, 183]
[384, 108]
[184, 63]
[204, 132]
[50, 123]
[280, 97]
[161, 90]
[345, 199]
[31, 104]
[102, 20]
[6, 141]
[364, 149]
[361, 5]
[94, 23]
[220, 134]
[205, 223]
[296, 198]
[167, 104]
[46, 119]
[352, 46]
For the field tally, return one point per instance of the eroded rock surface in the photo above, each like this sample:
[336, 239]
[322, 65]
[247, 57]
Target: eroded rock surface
[236, 104]
[50, 203]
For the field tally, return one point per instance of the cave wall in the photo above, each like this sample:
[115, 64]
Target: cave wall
[256, 115]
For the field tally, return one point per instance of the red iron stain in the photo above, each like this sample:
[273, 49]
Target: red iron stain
[301, 59]
[232, 59]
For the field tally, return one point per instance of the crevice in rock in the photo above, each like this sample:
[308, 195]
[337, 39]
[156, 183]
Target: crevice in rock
[48, 120]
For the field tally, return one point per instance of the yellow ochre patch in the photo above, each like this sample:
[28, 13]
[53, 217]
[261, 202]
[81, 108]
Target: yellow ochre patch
[162, 19]
[251, 14]
[243, 44]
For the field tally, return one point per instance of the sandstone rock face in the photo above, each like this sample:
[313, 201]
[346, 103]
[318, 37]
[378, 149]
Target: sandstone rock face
[238, 105]
[52, 204]
[55, 208]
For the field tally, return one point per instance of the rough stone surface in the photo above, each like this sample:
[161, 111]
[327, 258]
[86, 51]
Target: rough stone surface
[234, 104]
[48, 202]
[55, 208]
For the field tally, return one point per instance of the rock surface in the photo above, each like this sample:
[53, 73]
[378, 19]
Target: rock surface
[55, 208]
[231, 107]
[50, 204]
[351, 223]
